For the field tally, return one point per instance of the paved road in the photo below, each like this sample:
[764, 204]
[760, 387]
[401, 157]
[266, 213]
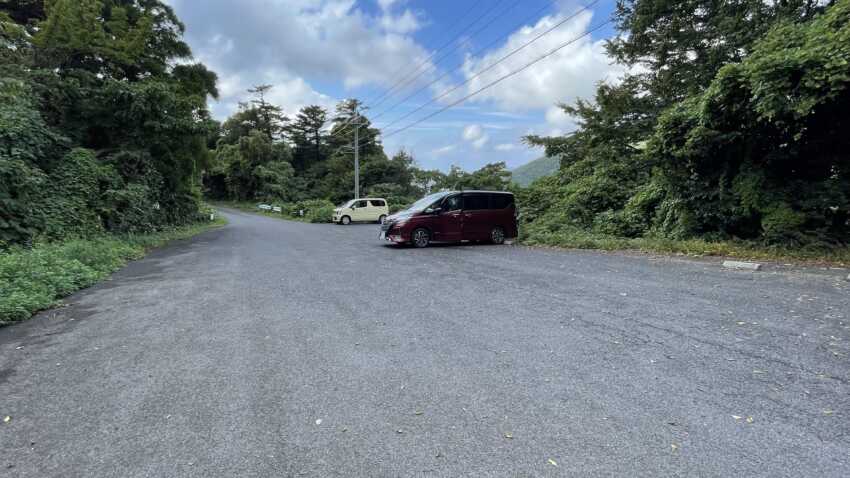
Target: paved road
[272, 348]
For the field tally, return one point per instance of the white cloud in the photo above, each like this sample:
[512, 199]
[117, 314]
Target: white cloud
[300, 40]
[556, 117]
[569, 74]
[472, 132]
[405, 22]
[289, 92]
[475, 135]
[386, 4]
[506, 147]
[444, 150]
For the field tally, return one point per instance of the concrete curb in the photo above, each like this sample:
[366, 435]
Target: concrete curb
[750, 266]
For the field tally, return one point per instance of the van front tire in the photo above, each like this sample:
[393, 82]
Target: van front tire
[345, 220]
[420, 238]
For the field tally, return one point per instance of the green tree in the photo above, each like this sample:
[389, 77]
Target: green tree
[305, 133]
[762, 152]
[124, 39]
[270, 118]
[254, 168]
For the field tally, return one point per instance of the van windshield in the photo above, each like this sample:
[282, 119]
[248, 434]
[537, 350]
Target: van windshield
[427, 201]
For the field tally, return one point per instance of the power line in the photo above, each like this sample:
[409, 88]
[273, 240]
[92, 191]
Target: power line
[492, 65]
[449, 29]
[476, 53]
[459, 44]
[499, 80]
[412, 75]
[424, 62]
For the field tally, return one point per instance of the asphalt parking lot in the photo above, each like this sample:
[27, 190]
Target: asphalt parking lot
[275, 348]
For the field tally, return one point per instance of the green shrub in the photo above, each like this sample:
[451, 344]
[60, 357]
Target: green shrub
[316, 210]
[34, 279]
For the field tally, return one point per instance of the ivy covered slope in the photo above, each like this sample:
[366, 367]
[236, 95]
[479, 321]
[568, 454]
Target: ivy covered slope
[101, 141]
[735, 129]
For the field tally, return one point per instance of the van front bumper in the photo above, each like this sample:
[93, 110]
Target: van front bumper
[396, 238]
[392, 233]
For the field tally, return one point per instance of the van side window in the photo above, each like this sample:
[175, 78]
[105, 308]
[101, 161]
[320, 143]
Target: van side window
[378, 203]
[473, 202]
[501, 201]
[451, 203]
[362, 203]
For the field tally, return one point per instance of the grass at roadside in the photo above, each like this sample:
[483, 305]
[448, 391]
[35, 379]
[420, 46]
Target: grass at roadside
[35, 279]
[576, 239]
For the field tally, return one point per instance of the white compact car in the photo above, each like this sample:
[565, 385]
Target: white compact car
[362, 210]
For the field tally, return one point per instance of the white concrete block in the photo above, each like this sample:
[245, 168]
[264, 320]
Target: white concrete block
[750, 266]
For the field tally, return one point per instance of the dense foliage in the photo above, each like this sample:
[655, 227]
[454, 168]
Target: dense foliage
[99, 130]
[733, 126]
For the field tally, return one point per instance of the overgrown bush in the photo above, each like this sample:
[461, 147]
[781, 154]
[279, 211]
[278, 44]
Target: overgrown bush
[34, 279]
[315, 210]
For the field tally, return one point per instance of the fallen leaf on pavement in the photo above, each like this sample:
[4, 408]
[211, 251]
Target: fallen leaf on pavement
[508, 436]
[736, 417]
[418, 412]
[749, 419]
[828, 412]
[319, 421]
[553, 462]
[7, 419]
[674, 446]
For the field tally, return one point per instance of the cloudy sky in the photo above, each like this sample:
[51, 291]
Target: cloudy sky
[407, 59]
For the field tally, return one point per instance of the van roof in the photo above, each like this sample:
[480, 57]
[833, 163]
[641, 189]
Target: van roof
[482, 191]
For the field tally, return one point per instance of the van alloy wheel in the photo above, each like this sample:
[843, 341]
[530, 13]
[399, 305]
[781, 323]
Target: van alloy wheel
[345, 220]
[421, 238]
[497, 235]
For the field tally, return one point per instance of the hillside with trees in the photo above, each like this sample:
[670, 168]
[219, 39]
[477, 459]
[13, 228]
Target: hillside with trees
[534, 170]
[732, 127]
[307, 162]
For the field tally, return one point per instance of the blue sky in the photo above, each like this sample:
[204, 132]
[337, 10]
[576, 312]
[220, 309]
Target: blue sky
[321, 51]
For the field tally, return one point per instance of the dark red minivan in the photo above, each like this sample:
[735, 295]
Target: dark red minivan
[454, 216]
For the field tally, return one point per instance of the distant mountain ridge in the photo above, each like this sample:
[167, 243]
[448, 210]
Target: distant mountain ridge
[527, 173]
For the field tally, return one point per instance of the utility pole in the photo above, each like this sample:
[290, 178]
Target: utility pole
[356, 154]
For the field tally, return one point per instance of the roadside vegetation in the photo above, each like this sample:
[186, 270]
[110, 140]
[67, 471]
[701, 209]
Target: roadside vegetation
[35, 278]
[730, 138]
[104, 131]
